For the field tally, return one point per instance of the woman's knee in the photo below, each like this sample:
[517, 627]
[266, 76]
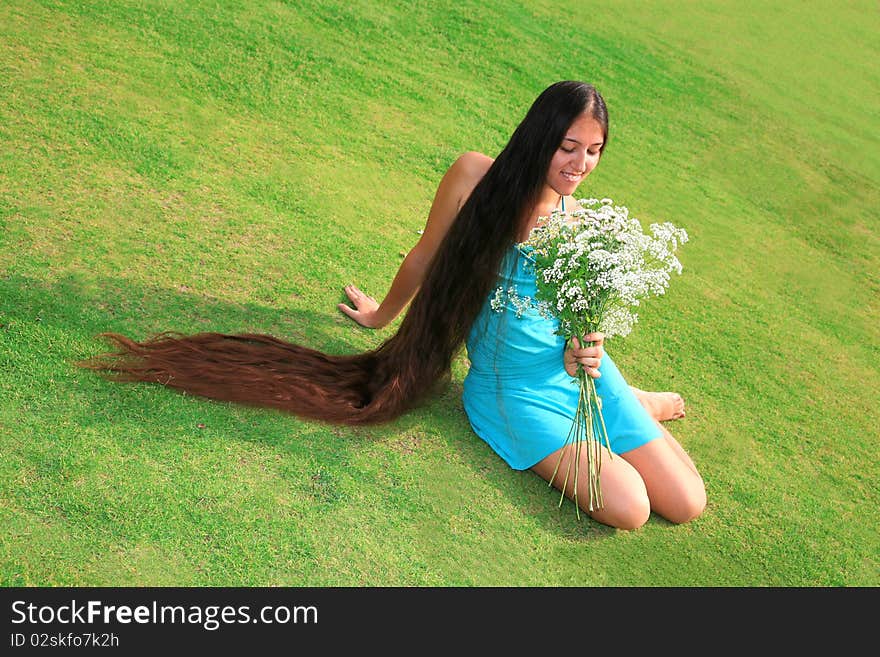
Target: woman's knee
[689, 505]
[625, 497]
[624, 509]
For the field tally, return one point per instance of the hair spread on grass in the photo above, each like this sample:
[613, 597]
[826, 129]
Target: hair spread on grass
[379, 385]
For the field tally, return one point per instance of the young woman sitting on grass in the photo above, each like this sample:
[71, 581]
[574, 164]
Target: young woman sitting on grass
[518, 393]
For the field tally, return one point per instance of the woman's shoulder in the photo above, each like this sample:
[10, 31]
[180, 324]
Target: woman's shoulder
[471, 165]
[474, 159]
[454, 189]
[463, 175]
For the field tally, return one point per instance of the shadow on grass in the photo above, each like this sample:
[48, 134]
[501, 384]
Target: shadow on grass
[67, 315]
[49, 326]
[85, 306]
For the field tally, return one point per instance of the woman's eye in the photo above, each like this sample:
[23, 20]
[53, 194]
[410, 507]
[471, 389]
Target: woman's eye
[567, 150]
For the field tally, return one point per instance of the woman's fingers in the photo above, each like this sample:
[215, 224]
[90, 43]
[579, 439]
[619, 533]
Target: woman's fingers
[361, 317]
[591, 366]
[592, 339]
[590, 358]
[586, 358]
[353, 293]
[596, 338]
[588, 352]
[359, 299]
[365, 307]
[348, 310]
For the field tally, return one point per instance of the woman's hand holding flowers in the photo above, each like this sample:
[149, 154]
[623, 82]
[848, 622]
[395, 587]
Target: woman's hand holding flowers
[590, 357]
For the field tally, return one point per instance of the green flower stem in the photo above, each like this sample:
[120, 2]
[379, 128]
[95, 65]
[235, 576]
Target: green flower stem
[588, 426]
[574, 437]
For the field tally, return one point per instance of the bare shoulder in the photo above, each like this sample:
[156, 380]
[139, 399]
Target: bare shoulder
[454, 189]
[474, 161]
[464, 174]
[472, 165]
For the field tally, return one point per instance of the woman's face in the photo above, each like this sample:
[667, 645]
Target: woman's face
[577, 155]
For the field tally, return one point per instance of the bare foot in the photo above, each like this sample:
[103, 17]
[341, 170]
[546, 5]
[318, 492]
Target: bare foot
[662, 406]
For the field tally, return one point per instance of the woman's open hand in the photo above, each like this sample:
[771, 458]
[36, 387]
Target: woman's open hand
[589, 357]
[365, 308]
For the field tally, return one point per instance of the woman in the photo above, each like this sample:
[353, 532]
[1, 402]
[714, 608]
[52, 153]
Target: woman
[482, 210]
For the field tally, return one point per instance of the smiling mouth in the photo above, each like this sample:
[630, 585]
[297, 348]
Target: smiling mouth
[572, 176]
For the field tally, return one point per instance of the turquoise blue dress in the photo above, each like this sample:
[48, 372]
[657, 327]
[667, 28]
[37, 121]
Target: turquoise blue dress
[518, 396]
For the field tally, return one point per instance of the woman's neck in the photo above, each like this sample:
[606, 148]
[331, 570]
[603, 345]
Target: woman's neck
[547, 203]
[548, 200]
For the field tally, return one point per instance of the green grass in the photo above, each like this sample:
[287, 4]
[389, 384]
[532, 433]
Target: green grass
[230, 166]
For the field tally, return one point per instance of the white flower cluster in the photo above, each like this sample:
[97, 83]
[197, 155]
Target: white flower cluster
[520, 304]
[594, 264]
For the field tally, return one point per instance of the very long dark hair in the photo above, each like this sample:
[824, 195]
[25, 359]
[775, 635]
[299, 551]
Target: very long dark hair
[379, 385]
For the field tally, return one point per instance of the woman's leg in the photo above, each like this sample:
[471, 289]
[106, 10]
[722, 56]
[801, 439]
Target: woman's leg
[659, 476]
[674, 484]
[626, 501]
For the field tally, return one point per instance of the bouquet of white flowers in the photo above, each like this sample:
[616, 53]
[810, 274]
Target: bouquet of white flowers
[592, 267]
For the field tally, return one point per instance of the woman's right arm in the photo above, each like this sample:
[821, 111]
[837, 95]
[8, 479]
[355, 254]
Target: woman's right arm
[454, 188]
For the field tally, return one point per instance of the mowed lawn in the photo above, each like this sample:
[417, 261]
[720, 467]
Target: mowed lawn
[230, 166]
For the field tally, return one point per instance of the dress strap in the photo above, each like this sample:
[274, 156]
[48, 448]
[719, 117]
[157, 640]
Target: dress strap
[562, 200]
[525, 252]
